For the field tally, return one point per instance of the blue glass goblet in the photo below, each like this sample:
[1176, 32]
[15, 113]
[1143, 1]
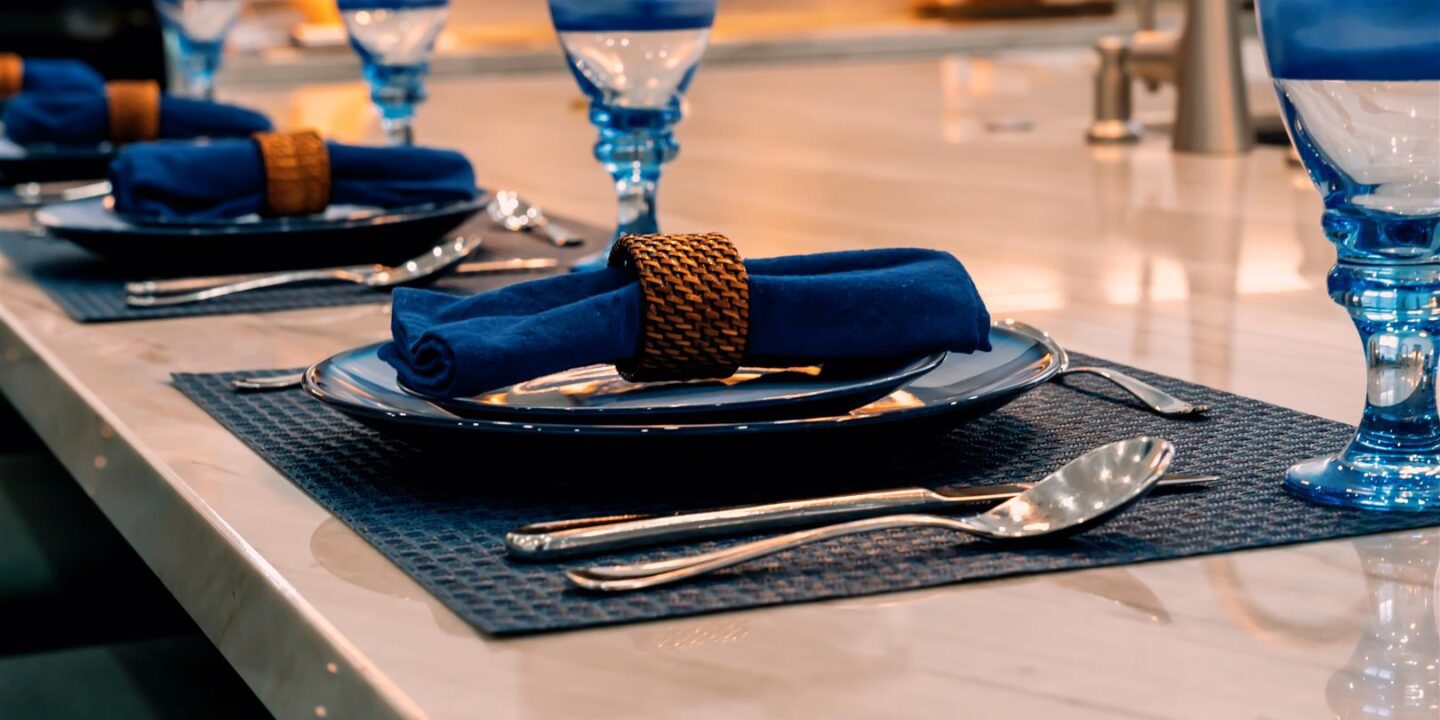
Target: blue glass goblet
[198, 29]
[634, 60]
[394, 39]
[1359, 84]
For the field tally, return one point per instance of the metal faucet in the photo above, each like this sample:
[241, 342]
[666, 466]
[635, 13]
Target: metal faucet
[1202, 60]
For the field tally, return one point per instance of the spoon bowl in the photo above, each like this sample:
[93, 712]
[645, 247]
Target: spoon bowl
[1086, 493]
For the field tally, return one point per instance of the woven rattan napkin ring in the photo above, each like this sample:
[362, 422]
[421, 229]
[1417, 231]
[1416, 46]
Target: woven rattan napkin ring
[12, 74]
[696, 317]
[297, 172]
[134, 107]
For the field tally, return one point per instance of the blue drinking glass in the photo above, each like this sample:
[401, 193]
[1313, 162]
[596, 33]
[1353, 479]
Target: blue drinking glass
[634, 60]
[1359, 84]
[197, 29]
[394, 39]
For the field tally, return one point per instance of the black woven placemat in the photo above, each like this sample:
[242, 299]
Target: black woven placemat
[89, 289]
[442, 517]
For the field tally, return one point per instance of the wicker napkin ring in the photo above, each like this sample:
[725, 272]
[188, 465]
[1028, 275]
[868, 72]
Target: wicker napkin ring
[297, 172]
[696, 318]
[12, 74]
[134, 107]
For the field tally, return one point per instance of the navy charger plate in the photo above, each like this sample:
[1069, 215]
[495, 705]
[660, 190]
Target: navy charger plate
[346, 236]
[962, 386]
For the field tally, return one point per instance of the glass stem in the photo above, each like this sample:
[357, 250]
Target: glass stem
[1395, 309]
[396, 90]
[635, 187]
[398, 130]
[634, 145]
[198, 64]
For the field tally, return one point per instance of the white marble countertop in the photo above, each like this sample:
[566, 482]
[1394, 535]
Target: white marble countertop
[1210, 269]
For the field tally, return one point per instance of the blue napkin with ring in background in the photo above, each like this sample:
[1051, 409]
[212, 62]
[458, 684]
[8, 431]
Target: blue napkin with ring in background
[226, 178]
[83, 118]
[803, 308]
[52, 75]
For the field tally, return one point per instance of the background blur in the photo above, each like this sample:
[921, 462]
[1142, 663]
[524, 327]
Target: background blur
[297, 41]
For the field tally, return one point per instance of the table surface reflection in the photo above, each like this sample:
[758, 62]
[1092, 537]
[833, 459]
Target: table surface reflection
[1211, 269]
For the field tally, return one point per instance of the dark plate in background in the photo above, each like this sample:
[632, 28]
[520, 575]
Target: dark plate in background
[50, 163]
[389, 236]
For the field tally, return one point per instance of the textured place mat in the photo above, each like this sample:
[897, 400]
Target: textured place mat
[89, 289]
[442, 518]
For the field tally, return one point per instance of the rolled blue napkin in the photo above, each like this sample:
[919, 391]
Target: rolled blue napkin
[226, 178]
[47, 75]
[83, 118]
[806, 308]
[634, 15]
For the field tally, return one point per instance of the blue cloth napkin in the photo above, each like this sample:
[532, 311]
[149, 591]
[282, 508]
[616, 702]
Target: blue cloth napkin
[643, 15]
[83, 118]
[47, 75]
[859, 304]
[226, 178]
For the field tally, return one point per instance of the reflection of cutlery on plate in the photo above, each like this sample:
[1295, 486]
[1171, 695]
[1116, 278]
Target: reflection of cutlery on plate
[439, 258]
[511, 212]
[39, 193]
[567, 538]
[1088, 492]
[1159, 401]
[182, 285]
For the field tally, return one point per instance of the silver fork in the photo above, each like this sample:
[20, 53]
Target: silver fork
[191, 284]
[1159, 401]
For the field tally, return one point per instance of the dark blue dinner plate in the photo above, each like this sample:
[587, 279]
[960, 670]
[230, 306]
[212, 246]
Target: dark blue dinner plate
[360, 384]
[51, 163]
[597, 393]
[340, 236]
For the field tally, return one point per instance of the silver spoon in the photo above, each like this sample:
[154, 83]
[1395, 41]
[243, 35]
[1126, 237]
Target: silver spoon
[1085, 493]
[1158, 400]
[516, 215]
[433, 261]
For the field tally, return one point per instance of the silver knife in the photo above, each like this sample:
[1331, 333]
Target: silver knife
[568, 538]
[184, 285]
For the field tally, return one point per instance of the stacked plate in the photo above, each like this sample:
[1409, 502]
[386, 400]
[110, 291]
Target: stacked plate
[595, 402]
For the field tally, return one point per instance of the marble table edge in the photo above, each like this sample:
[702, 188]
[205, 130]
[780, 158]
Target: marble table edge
[309, 670]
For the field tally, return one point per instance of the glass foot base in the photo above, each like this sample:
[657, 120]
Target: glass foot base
[596, 261]
[1333, 481]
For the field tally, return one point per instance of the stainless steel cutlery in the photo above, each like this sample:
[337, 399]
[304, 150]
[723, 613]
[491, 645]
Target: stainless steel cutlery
[41, 193]
[1086, 493]
[588, 536]
[508, 210]
[1157, 400]
[444, 257]
[191, 284]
